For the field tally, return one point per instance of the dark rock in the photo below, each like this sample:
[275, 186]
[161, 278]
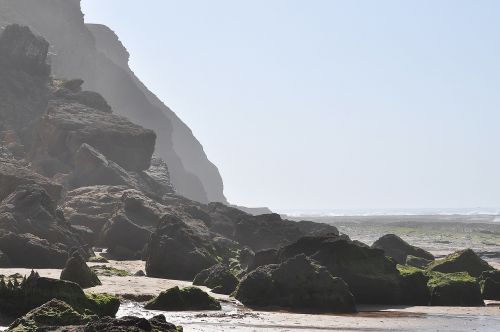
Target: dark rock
[159, 173]
[419, 262]
[399, 249]
[21, 49]
[414, 287]
[461, 261]
[132, 324]
[264, 257]
[454, 289]
[4, 260]
[69, 124]
[372, 277]
[217, 277]
[73, 85]
[49, 316]
[177, 251]
[14, 174]
[98, 259]
[140, 273]
[186, 299]
[297, 283]
[490, 285]
[76, 270]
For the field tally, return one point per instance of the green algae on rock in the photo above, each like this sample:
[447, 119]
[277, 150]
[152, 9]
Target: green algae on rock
[76, 270]
[399, 249]
[461, 261]
[108, 271]
[297, 283]
[189, 298]
[219, 278]
[490, 285]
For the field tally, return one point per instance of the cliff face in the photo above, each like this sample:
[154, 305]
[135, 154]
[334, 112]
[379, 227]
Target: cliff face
[94, 53]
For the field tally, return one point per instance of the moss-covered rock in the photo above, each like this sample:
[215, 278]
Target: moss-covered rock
[189, 298]
[399, 249]
[76, 270]
[414, 286]
[18, 299]
[454, 289]
[50, 315]
[219, 278]
[461, 261]
[132, 324]
[490, 285]
[98, 259]
[297, 283]
[419, 262]
[108, 271]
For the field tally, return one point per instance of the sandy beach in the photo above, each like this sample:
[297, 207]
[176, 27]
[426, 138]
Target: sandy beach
[235, 317]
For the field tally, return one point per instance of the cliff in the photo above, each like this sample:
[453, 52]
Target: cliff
[95, 54]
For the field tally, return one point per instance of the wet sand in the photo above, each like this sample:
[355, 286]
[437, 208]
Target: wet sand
[235, 317]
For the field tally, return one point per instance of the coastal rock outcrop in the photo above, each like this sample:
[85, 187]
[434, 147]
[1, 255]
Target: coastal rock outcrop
[297, 283]
[76, 270]
[454, 289]
[189, 298]
[490, 285]
[399, 249]
[219, 278]
[461, 261]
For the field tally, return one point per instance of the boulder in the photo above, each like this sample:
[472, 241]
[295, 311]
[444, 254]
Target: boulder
[490, 285]
[219, 278]
[399, 249]
[414, 289]
[186, 299]
[264, 257]
[297, 283]
[419, 262]
[372, 277]
[35, 291]
[131, 324]
[454, 289]
[461, 261]
[14, 174]
[177, 251]
[4, 260]
[76, 270]
[21, 49]
[29, 219]
[49, 317]
[68, 124]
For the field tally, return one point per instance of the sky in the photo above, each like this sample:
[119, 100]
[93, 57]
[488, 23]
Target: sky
[327, 104]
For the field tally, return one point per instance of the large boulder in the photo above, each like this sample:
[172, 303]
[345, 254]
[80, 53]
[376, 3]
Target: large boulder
[372, 277]
[490, 285]
[297, 283]
[454, 289]
[14, 174]
[178, 251]
[35, 290]
[264, 257]
[131, 324]
[461, 261]
[399, 249]
[69, 124]
[189, 298]
[219, 278]
[76, 270]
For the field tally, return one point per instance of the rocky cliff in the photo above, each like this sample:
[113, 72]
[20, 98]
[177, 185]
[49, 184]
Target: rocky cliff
[95, 54]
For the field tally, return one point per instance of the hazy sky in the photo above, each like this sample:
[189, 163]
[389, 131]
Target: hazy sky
[329, 104]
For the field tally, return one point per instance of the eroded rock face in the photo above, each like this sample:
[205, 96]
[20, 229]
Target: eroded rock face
[189, 298]
[13, 174]
[33, 233]
[76, 270]
[462, 261]
[68, 125]
[297, 283]
[399, 249]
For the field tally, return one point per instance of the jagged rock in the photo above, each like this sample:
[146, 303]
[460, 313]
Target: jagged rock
[189, 298]
[454, 289]
[399, 249]
[419, 262]
[50, 316]
[36, 290]
[371, 276]
[69, 124]
[158, 172]
[297, 283]
[461, 261]
[21, 49]
[131, 324]
[219, 278]
[490, 285]
[176, 251]
[76, 270]
[14, 174]
[71, 90]
[29, 222]
[264, 257]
